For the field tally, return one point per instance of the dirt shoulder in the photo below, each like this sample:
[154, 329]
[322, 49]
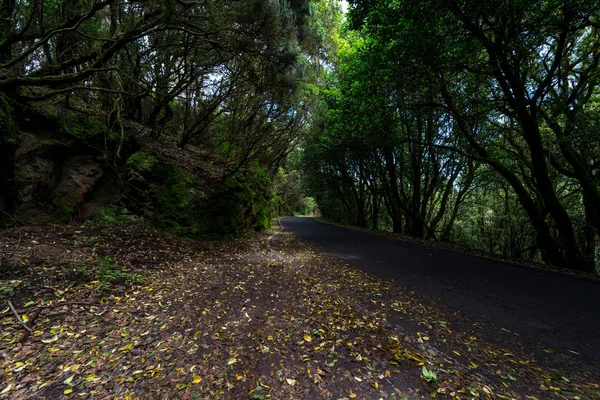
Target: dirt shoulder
[124, 311]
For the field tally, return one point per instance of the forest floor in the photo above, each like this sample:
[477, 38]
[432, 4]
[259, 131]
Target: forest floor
[124, 311]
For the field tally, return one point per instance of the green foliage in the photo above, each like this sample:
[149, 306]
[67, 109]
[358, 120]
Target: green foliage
[111, 215]
[110, 277]
[308, 206]
[429, 376]
[104, 270]
[431, 98]
[237, 79]
[290, 197]
[107, 273]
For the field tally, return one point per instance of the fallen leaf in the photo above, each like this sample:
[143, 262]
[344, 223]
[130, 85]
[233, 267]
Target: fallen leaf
[53, 339]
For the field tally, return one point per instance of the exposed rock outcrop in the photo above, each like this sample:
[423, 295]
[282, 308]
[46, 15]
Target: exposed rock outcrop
[52, 178]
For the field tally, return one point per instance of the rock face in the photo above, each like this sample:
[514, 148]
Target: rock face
[47, 168]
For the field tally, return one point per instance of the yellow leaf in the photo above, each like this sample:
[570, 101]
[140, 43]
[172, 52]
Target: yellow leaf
[68, 391]
[352, 395]
[232, 361]
[24, 317]
[53, 339]
[307, 338]
[197, 379]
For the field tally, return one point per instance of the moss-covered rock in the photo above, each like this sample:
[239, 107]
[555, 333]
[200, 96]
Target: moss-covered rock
[74, 125]
[241, 204]
[170, 197]
[83, 126]
[9, 134]
[141, 163]
[176, 200]
[52, 178]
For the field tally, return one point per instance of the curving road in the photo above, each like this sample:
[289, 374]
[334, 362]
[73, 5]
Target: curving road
[559, 311]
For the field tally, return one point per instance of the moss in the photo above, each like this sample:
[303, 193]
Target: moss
[86, 127]
[227, 212]
[8, 126]
[175, 195]
[83, 126]
[171, 199]
[141, 162]
[244, 203]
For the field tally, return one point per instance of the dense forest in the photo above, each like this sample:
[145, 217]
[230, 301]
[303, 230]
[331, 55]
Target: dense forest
[182, 113]
[470, 123]
[158, 157]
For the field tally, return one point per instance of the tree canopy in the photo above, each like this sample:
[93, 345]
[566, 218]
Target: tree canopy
[467, 122]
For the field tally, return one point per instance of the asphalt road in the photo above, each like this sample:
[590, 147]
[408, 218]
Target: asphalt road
[560, 311]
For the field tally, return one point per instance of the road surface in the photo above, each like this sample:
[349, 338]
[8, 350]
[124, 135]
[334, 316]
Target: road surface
[559, 311]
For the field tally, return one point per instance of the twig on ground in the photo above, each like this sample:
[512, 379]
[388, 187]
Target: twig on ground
[72, 303]
[67, 303]
[51, 289]
[32, 322]
[18, 316]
